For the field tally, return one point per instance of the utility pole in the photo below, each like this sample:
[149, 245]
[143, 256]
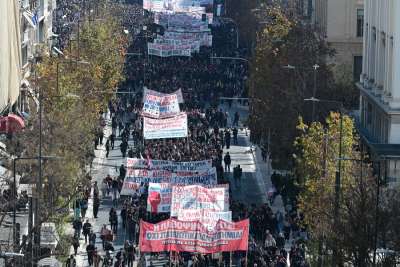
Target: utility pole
[315, 67]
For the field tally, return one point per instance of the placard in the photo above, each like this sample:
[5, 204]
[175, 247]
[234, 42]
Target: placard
[175, 235]
[175, 127]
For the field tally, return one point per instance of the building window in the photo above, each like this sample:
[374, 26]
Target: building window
[357, 67]
[360, 22]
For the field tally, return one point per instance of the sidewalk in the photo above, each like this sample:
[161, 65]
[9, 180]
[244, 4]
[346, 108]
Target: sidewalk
[101, 167]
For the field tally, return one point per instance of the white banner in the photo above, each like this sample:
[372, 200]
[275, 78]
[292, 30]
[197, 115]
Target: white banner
[207, 217]
[173, 166]
[135, 178]
[178, 93]
[160, 106]
[175, 127]
[198, 197]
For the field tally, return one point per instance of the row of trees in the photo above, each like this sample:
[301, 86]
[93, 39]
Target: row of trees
[365, 219]
[277, 92]
[346, 223]
[75, 89]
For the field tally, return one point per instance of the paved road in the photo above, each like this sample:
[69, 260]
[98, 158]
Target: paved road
[102, 167]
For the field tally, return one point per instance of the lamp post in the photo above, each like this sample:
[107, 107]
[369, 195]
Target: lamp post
[338, 171]
[315, 68]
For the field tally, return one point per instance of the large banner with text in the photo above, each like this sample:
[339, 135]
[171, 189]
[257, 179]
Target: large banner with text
[207, 217]
[160, 106]
[175, 235]
[173, 166]
[175, 127]
[198, 197]
[135, 178]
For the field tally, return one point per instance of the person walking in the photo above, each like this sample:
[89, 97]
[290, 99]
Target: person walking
[71, 262]
[235, 136]
[77, 225]
[96, 205]
[84, 207]
[227, 139]
[112, 140]
[227, 161]
[92, 237]
[107, 147]
[87, 227]
[96, 258]
[113, 218]
[75, 244]
[236, 119]
[90, 252]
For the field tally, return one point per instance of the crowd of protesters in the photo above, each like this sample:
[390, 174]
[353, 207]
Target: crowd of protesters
[202, 80]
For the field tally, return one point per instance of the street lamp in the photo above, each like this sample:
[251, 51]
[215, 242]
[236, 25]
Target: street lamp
[315, 68]
[338, 171]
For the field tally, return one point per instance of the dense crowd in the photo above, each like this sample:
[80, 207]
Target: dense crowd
[202, 80]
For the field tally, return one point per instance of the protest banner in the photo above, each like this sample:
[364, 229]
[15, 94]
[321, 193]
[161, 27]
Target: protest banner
[178, 93]
[198, 197]
[165, 192]
[136, 177]
[164, 204]
[157, 106]
[175, 127]
[175, 235]
[207, 217]
[173, 166]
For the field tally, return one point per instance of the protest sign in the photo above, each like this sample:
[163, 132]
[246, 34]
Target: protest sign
[164, 191]
[175, 235]
[136, 177]
[178, 93]
[157, 106]
[175, 127]
[173, 166]
[207, 217]
[198, 197]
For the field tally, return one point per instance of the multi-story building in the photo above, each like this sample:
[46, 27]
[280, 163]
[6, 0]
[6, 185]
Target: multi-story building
[379, 118]
[36, 35]
[341, 22]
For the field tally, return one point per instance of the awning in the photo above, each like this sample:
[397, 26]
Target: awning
[11, 124]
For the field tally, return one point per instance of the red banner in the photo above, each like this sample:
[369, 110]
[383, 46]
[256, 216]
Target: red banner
[175, 235]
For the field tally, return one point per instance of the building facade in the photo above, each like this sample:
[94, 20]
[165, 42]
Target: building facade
[341, 22]
[379, 115]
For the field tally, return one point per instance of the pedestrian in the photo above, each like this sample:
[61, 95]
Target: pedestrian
[96, 205]
[237, 174]
[235, 136]
[96, 258]
[112, 140]
[123, 147]
[113, 219]
[236, 119]
[75, 244]
[130, 253]
[227, 161]
[90, 251]
[227, 139]
[122, 172]
[86, 230]
[71, 262]
[104, 235]
[107, 147]
[92, 237]
[84, 207]
[77, 225]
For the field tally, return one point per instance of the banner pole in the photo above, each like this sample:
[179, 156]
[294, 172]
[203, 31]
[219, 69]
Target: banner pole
[170, 258]
[230, 259]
